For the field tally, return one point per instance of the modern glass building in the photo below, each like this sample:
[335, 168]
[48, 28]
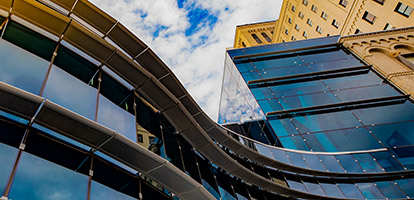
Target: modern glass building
[317, 105]
[78, 91]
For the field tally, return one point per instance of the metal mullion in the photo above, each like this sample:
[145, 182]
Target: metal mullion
[97, 94]
[90, 178]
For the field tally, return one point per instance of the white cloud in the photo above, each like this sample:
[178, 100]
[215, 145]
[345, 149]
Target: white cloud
[197, 59]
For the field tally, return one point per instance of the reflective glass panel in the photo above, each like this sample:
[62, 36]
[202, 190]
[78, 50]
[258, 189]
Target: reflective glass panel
[407, 186]
[391, 190]
[40, 179]
[370, 191]
[395, 113]
[405, 155]
[294, 142]
[349, 163]
[335, 64]
[283, 127]
[116, 118]
[394, 135]
[99, 192]
[277, 62]
[280, 156]
[297, 159]
[296, 183]
[389, 163]
[298, 88]
[332, 190]
[313, 162]
[21, 68]
[367, 162]
[264, 150]
[285, 71]
[7, 156]
[331, 163]
[364, 93]
[353, 81]
[350, 191]
[314, 188]
[309, 100]
[71, 93]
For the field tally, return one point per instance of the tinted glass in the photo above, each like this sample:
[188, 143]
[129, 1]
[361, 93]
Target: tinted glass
[99, 191]
[7, 156]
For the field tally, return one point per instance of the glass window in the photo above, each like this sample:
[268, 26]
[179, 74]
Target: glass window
[349, 164]
[283, 127]
[112, 89]
[369, 17]
[368, 163]
[208, 179]
[385, 159]
[351, 191]
[353, 81]
[99, 191]
[267, 37]
[335, 23]
[29, 40]
[264, 150]
[224, 186]
[332, 189]
[388, 26]
[256, 38]
[301, 15]
[297, 159]
[365, 93]
[280, 155]
[343, 3]
[313, 187]
[326, 121]
[407, 186]
[342, 140]
[391, 190]
[331, 163]
[309, 22]
[395, 134]
[116, 118]
[314, 162]
[305, 2]
[21, 69]
[403, 9]
[7, 156]
[370, 191]
[71, 93]
[295, 183]
[380, 1]
[39, 179]
[328, 54]
[75, 64]
[278, 62]
[308, 100]
[294, 142]
[269, 105]
[240, 189]
[298, 88]
[285, 71]
[324, 15]
[405, 155]
[314, 8]
[395, 113]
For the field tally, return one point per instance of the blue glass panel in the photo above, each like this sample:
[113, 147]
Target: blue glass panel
[405, 155]
[298, 88]
[395, 113]
[312, 42]
[294, 142]
[269, 105]
[407, 186]
[314, 188]
[248, 76]
[335, 64]
[332, 190]
[280, 156]
[99, 191]
[331, 163]
[285, 71]
[296, 184]
[71, 93]
[326, 55]
[364, 93]
[264, 150]
[262, 93]
[354, 81]
[39, 179]
[314, 162]
[235, 52]
[389, 163]
[342, 140]
[278, 61]
[370, 191]
[351, 191]
[297, 159]
[245, 67]
[116, 118]
[308, 100]
[391, 190]
[394, 135]
[283, 127]
[21, 68]
[7, 156]
[327, 121]
[349, 164]
[367, 162]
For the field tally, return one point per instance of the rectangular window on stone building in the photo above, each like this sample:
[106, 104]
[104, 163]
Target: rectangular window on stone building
[305, 2]
[301, 15]
[140, 139]
[314, 8]
[297, 27]
[335, 23]
[380, 1]
[293, 9]
[293, 38]
[388, 26]
[370, 18]
[403, 9]
[309, 22]
[305, 34]
[343, 3]
[324, 15]
[318, 29]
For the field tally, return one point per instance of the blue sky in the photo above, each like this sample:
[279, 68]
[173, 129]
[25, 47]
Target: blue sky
[191, 36]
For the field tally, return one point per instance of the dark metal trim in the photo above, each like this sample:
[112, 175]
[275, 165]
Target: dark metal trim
[345, 104]
[286, 51]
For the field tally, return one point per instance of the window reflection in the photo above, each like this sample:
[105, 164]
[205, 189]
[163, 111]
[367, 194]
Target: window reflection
[99, 192]
[20, 68]
[39, 179]
[7, 156]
